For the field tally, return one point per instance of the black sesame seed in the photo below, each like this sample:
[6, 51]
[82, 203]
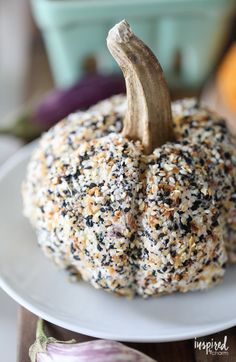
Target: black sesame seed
[186, 262]
[173, 253]
[126, 209]
[132, 237]
[167, 201]
[196, 204]
[118, 234]
[67, 178]
[86, 252]
[215, 223]
[202, 237]
[77, 173]
[50, 248]
[99, 247]
[84, 157]
[186, 227]
[189, 219]
[72, 249]
[145, 253]
[101, 219]
[166, 241]
[89, 221]
[92, 185]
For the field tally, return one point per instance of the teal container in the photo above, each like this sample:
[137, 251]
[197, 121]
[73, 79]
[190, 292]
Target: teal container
[186, 35]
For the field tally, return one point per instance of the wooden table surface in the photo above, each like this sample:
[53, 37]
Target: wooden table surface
[183, 351]
[39, 80]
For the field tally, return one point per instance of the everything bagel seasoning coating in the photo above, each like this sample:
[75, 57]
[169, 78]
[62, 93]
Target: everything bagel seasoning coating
[131, 223]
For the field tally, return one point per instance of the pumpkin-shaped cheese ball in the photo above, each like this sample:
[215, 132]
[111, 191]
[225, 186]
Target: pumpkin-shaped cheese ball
[131, 198]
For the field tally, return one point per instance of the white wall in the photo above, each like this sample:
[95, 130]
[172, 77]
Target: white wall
[14, 52]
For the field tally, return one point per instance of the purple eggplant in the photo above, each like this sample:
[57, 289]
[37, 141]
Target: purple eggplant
[93, 88]
[58, 103]
[48, 349]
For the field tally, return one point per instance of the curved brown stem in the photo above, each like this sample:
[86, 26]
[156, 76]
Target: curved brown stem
[148, 118]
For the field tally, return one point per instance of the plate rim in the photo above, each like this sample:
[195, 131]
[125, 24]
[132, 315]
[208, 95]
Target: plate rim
[19, 156]
[112, 336]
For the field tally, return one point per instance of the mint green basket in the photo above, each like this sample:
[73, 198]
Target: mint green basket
[186, 35]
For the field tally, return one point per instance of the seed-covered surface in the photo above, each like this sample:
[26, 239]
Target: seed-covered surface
[131, 223]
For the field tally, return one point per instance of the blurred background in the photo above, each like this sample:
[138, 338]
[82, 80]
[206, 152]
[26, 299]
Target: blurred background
[53, 61]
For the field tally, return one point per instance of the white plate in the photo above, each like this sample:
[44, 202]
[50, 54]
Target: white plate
[28, 277]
